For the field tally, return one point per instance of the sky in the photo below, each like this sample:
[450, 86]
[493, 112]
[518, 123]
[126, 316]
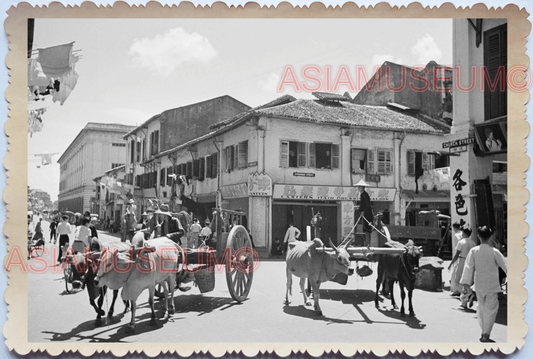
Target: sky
[132, 69]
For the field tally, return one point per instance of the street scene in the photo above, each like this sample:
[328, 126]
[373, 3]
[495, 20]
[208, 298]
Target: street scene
[349, 313]
[361, 174]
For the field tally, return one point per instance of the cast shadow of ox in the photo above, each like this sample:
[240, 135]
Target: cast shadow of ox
[356, 298]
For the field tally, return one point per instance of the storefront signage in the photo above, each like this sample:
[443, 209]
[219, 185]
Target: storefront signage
[234, 191]
[373, 178]
[259, 184]
[331, 193]
[457, 143]
[303, 174]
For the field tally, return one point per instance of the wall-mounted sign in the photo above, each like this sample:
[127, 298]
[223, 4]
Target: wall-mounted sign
[259, 184]
[492, 136]
[234, 191]
[331, 193]
[303, 174]
[461, 142]
[373, 178]
[458, 149]
[252, 164]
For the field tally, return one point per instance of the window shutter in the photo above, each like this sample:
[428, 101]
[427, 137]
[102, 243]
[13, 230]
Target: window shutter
[302, 154]
[335, 160]
[132, 144]
[208, 167]
[411, 163]
[370, 164]
[170, 170]
[201, 171]
[242, 155]
[162, 176]
[388, 161]
[196, 168]
[495, 56]
[284, 154]
[177, 169]
[425, 161]
[189, 169]
[214, 165]
[156, 135]
[312, 155]
[154, 179]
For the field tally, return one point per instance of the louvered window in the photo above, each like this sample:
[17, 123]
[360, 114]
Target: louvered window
[384, 160]
[242, 154]
[495, 61]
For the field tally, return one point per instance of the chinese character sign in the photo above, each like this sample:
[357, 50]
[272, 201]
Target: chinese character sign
[459, 193]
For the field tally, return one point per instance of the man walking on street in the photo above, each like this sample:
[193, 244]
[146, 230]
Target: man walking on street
[63, 229]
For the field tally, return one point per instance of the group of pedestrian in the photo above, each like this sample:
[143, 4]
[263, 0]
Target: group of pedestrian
[476, 274]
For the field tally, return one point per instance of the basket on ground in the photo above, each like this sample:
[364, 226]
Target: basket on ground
[205, 279]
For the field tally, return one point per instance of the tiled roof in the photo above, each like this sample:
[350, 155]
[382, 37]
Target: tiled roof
[346, 113]
[276, 102]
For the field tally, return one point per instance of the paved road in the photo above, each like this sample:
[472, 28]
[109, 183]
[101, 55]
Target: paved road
[349, 314]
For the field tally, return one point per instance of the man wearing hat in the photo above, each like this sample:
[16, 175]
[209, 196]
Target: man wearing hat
[129, 222]
[365, 206]
[167, 225]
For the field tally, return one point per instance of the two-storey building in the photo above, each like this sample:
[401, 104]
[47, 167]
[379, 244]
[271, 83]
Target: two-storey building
[286, 160]
[168, 130]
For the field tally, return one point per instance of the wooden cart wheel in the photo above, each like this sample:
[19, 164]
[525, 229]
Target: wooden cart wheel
[67, 273]
[240, 273]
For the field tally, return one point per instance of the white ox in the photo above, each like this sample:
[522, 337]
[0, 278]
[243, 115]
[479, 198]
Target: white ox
[304, 261]
[139, 269]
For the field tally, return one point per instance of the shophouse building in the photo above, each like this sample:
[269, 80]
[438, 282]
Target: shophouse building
[111, 194]
[287, 160]
[97, 148]
[164, 131]
[479, 133]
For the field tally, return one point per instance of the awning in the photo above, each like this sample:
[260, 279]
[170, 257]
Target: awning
[426, 196]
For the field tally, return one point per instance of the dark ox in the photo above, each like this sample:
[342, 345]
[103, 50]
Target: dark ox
[83, 268]
[140, 269]
[304, 261]
[402, 268]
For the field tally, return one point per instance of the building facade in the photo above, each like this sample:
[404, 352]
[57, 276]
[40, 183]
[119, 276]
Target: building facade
[97, 148]
[479, 132]
[285, 161]
[168, 130]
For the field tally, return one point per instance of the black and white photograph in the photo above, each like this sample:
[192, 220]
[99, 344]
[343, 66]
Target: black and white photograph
[269, 180]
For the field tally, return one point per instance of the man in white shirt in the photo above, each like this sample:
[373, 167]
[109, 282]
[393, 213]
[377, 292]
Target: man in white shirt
[481, 268]
[292, 234]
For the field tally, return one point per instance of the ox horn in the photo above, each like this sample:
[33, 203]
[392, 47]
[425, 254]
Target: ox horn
[346, 243]
[332, 245]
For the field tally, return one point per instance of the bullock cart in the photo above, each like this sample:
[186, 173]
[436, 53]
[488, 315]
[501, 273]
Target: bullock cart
[238, 256]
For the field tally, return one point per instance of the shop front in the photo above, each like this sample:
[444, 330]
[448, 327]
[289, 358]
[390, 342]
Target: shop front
[337, 205]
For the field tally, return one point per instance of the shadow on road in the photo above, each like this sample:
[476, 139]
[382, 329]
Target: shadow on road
[202, 304]
[411, 322]
[142, 325]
